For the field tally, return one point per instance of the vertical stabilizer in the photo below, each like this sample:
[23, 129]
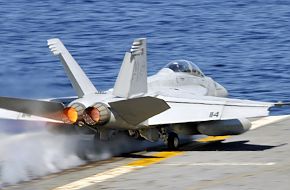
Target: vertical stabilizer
[132, 78]
[78, 78]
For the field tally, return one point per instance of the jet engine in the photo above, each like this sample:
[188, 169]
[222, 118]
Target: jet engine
[224, 127]
[96, 114]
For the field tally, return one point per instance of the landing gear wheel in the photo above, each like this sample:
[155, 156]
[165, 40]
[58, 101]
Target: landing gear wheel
[172, 141]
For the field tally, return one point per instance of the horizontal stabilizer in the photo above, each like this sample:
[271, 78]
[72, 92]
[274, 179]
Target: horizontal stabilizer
[78, 78]
[137, 110]
[13, 115]
[33, 107]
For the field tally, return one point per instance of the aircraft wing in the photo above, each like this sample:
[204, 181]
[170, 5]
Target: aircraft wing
[207, 108]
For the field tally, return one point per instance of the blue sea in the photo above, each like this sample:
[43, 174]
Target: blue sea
[244, 45]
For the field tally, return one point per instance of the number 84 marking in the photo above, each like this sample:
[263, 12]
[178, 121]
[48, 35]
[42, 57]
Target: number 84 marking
[214, 114]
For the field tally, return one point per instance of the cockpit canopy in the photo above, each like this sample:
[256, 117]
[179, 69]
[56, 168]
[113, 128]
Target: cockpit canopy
[185, 67]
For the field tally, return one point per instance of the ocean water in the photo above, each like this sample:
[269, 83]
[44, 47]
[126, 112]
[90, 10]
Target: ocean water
[244, 45]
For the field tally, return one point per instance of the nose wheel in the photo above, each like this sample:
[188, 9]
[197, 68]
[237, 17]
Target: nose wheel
[173, 141]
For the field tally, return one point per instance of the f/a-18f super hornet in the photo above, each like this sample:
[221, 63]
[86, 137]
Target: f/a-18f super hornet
[179, 99]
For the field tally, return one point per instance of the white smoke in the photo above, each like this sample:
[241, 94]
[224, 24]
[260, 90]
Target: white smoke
[30, 154]
[33, 154]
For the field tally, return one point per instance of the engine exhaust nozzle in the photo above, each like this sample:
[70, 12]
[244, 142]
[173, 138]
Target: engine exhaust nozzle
[97, 114]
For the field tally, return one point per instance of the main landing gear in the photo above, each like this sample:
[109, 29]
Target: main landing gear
[173, 141]
[170, 139]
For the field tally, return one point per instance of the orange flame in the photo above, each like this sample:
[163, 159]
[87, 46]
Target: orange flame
[71, 114]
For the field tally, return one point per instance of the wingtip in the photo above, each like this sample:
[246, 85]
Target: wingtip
[281, 104]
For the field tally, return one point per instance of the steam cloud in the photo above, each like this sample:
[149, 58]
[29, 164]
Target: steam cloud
[32, 152]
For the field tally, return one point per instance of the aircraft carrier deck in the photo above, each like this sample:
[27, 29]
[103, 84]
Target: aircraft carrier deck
[258, 159]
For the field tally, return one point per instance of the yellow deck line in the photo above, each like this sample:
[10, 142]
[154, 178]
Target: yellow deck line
[155, 158]
[213, 138]
[100, 177]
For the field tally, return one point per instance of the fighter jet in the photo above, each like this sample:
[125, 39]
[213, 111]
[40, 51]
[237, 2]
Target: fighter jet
[178, 100]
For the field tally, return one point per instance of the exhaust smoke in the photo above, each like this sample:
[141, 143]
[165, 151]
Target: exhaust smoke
[32, 151]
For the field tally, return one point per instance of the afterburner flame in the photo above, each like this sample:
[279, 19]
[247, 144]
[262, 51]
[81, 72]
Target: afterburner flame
[94, 113]
[71, 114]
